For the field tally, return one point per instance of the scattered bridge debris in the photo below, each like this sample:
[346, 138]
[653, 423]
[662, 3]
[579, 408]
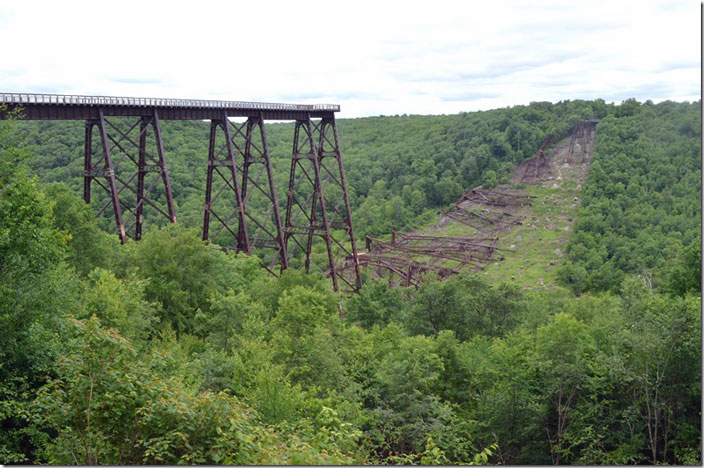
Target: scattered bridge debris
[461, 250]
[496, 197]
[402, 271]
[490, 213]
[406, 257]
[486, 221]
[537, 167]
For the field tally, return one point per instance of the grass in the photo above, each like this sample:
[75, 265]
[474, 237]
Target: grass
[529, 254]
[533, 251]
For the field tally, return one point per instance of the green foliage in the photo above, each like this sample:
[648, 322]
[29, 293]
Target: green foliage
[184, 273]
[408, 409]
[686, 276]
[120, 411]
[640, 202]
[34, 293]
[482, 458]
[432, 455]
[119, 304]
[376, 304]
[659, 354]
[489, 179]
[28, 243]
[564, 349]
[182, 354]
[302, 310]
[466, 304]
[303, 340]
[99, 387]
[87, 247]
[506, 392]
[269, 290]
[228, 314]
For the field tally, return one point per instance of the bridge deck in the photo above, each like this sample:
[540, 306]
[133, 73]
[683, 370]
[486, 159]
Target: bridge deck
[73, 107]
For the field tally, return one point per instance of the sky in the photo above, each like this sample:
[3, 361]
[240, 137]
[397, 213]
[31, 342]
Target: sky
[370, 57]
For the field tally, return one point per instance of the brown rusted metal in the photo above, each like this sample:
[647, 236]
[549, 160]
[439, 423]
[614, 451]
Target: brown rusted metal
[250, 157]
[143, 168]
[318, 206]
[408, 257]
[114, 165]
[317, 169]
[259, 155]
[164, 171]
[345, 217]
[87, 161]
[454, 249]
[303, 223]
[539, 163]
[223, 197]
[123, 143]
[487, 221]
[105, 168]
[544, 145]
[140, 176]
[408, 271]
[209, 181]
[72, 107]
[494, 198]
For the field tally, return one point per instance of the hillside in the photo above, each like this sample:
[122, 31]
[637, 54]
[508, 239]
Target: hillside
[515, 232]
[641, 204]
[173, 351]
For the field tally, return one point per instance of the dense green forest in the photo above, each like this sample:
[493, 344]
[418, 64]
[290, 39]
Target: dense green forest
[642, 202]
[171, 350]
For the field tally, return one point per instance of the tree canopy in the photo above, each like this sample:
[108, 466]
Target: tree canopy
[173, 351]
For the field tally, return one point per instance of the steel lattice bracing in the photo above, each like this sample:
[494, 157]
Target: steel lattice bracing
[239, 175]
[223, 195]
[129, 171]
[317, 204]
[124, 147]
[258, 191]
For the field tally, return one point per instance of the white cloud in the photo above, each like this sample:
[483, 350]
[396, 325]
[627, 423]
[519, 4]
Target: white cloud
[371, 57]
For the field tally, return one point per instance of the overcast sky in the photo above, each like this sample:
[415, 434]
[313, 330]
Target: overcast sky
[371, 57]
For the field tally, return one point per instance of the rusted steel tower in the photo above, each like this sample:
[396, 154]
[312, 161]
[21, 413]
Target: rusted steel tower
[122, 162]
[241, 168]
[318, 204]
[129, 147]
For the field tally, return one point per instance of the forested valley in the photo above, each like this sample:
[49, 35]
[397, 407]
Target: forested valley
[173, 351]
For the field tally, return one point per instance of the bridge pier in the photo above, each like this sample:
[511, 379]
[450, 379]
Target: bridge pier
[268, 230]
[246, 152]
[318, 202]
[229, 183]
[103, 165]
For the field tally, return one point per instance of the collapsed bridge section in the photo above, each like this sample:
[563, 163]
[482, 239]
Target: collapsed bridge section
[407, 257]
[124, 156]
